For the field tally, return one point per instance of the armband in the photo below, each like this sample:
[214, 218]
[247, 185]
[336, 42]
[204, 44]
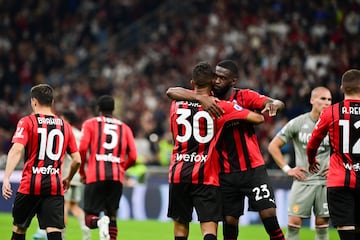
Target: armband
[286, 168]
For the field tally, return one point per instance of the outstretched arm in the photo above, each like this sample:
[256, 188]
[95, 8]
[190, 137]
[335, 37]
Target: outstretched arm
[273, 106]
[255, 118]
[208, 102]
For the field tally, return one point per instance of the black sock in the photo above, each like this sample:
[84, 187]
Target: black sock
[180, 238]
[272, 227]
[17, 236]
[230, 231]
[347, 234]
[210, 236]
[54, 236]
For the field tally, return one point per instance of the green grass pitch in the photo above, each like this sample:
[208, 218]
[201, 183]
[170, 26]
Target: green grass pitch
[150, 230]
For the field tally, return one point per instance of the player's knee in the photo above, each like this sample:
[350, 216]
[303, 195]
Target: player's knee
[322, 222]
[231, 220]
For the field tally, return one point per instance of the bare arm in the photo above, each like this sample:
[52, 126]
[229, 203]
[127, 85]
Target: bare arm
[255, 118]
[208, 102]
[75, 164]
[13, 159]
[274, 149]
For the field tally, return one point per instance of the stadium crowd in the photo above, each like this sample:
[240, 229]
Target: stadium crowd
[135, 50]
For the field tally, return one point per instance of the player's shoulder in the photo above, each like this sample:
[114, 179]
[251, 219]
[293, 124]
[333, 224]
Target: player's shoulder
[225, 104]
[298, 121]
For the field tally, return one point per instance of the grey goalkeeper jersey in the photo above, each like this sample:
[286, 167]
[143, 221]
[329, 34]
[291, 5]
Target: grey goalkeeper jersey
[298, 130]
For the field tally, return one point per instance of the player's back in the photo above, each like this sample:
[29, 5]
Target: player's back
[193, 129]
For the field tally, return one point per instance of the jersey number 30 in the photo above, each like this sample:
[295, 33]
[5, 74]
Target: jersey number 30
[193, 128]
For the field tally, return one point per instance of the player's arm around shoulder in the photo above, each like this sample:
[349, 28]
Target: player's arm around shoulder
[234, 111]
[209, 103]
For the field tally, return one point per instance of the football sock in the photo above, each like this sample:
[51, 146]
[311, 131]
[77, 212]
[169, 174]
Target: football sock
[54, 236]
[273, 229]
[180, 238]
[230, 231]
[91, 221]
[321, 234]
[81, 219]
[347, 234]
[210, 237]
[113, 231]
[292, 233]
[17, 236]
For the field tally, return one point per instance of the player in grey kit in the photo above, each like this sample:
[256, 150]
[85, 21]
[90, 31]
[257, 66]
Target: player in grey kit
[308, 190]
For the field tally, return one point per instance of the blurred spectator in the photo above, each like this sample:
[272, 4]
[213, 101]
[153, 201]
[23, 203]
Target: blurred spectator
[134, 50]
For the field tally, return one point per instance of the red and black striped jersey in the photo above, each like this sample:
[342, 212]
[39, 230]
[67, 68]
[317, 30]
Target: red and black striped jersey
[193, 131]
[46, 139]
[107, 149]
[238, 148]
[342, 123]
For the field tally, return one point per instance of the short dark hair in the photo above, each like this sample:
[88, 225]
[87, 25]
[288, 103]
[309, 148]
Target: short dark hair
[71, 117]
[43, 93]
[203, 74]
[230, 65]
[106, 104]
[350, 81]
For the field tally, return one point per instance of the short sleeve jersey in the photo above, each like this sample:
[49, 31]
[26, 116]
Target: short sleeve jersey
[107, 148]
[341, 122]
[238, 147]
[298, 131]
[193, 130]
[46, 139]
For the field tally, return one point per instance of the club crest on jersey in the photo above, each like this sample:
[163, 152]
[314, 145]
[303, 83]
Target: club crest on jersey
[238, 107]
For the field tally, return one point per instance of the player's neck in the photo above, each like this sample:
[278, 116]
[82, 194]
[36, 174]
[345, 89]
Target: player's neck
[43, 110]
[314, 115]
[203, 91]
[355, 96]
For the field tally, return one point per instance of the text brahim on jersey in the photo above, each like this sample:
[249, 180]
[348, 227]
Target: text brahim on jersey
[49, 121]
[190, 104]
[350, 110]
[191, 157]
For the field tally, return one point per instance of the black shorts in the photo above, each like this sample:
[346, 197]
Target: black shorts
[49, 210]
[184, 197]
[344, 206]
[102, 196]
[254, 184]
